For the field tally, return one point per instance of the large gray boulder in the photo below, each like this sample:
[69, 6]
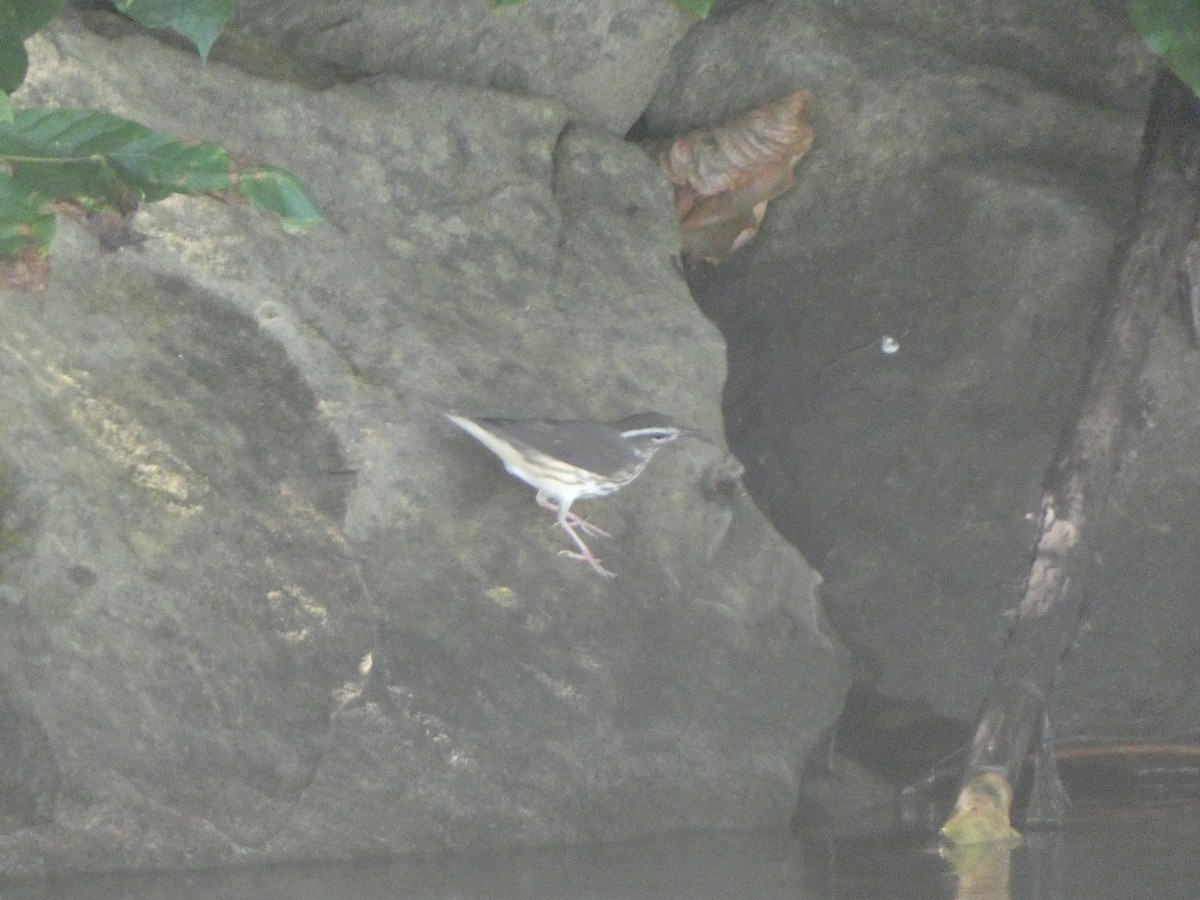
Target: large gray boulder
[261, 601]
[600, 58]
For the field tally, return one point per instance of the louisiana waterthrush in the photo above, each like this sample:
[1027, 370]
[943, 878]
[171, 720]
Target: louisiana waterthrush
[570, 460]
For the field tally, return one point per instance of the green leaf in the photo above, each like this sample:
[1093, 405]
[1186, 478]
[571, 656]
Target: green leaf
[71, 153]
[6, 113]
[13, 62]
[278, 191]
[18, 20]
[24, 17]
[200, 21]
[1171, 28]
[25, 219]
[97, 160]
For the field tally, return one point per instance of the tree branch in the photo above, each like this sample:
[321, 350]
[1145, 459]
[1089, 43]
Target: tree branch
[1146, 267]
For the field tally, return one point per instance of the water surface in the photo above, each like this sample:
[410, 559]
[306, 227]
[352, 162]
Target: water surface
[1152, 850]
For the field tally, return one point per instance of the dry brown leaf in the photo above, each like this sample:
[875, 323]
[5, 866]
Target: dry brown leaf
[112, 226]
[29, 270]
[725, 176]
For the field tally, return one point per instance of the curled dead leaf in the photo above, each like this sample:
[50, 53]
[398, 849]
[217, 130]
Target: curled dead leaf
[29, 270]
[112, 225]
[725, 176]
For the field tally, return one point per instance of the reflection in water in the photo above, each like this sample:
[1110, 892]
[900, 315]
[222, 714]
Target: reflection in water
[982, 870]
[1104, 853]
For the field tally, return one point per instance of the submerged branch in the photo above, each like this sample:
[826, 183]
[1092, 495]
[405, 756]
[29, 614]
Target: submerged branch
[1145, 275]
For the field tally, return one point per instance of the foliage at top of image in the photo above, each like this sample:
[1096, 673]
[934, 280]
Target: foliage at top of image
[1171, 28]
[99, 167]
[20, 19]
[200, 21]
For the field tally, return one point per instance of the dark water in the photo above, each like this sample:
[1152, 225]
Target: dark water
[1151, 851]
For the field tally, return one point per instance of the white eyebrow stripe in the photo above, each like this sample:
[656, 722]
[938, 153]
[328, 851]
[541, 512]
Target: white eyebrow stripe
[638, 432]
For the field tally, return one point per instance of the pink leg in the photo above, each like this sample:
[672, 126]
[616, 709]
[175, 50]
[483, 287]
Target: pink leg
[573, 520]
[569, 522]
[584, 553]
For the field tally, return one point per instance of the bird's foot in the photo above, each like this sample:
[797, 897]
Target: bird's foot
[591, 560]
[576, 521]
[570, 520]
[584, 553]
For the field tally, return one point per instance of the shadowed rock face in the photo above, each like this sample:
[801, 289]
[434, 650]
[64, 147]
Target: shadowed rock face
[173, 484]
[269, 605]
[967, 175]
[29, 776]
